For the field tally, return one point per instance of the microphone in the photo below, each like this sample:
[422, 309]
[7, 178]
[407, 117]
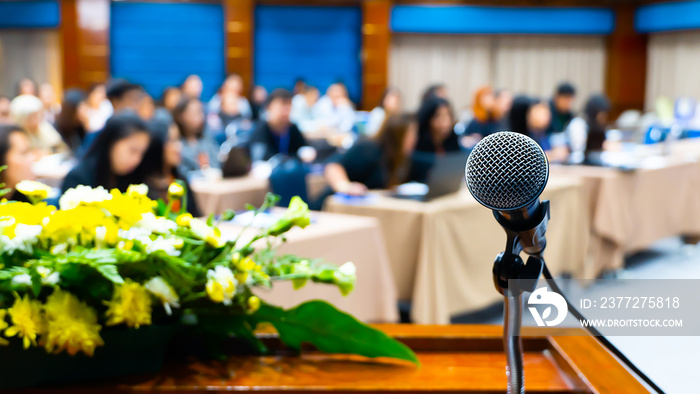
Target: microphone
[506, 172]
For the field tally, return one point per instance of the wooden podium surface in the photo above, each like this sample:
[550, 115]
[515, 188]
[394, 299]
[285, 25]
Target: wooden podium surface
[456, 358]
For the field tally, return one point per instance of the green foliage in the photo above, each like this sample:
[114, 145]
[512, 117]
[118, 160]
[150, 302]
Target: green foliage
[331, 331]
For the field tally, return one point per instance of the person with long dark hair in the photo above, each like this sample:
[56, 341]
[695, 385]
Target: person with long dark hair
[381, 162]
[390, 103]
[199, 151]
[17, 155]
[114, 156]
[531, 116]
[73, 120]
[436, 127]
[586, 134]
[159, 167]
[437, 90]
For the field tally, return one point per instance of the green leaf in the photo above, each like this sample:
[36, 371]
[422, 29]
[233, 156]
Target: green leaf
[110, 272]
[228, 214]
[331, 331]
[36, 282]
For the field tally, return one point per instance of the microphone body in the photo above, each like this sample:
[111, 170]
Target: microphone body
[506, 172]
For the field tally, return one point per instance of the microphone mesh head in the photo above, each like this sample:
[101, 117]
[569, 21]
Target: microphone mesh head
[506, 171]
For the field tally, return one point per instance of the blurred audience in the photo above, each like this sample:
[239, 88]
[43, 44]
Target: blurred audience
[303, 109]
[389, 104]
[124, 95]
[161, 162]
[199, 151]
[114, 156]
[277, 134]
[378, 163]
[17, 155]
[5, 110]
[561, 107]
[72, 122]
[532, 117]
[26, 86]
[47, 95]
[28, 112]
[232, 90]
[147, 107]
[586, 133]
[192, 87]
[299, 86]
[168, 101]
[437, 90]
[258, 96]
[484, 121]
[99, 109]
[436, 127]
[335, 111]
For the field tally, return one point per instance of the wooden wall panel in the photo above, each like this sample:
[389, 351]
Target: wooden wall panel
[626, 63]
[238, 22]
[376, 38]
[85, 42]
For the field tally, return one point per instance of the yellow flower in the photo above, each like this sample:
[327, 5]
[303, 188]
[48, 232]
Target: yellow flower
[253, 304]
[79, 223]
[35, 191]
[24, 213]
[71, 325]
[183, 220]
[176, 190]
[3, 325]
[127, 209]
[164, 292]
[130, 304]
[137, 190]
[26, 319]
[210, 235]
[221, 285]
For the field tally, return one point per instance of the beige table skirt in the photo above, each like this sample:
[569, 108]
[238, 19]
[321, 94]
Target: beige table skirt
[442, 252]
[338, 239]
[628, 211]
[216, 196]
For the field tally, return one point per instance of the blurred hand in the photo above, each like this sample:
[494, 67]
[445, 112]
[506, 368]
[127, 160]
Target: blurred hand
[353, 189]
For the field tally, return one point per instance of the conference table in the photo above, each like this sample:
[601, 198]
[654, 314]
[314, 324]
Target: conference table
[337, 239]
[442, 251]
[630, 210]
[214, 196]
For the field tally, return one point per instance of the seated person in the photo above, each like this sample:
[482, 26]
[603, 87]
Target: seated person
[436, 136]
[199, 151]
[277, 134]
[114, 156]
[28, 113]
[335, 111]
[73, 121]
[484, 121]
[303, 110]
[586, 134]
[390, 103]
[561, 107]
[159, 167]
[378, 163]
[17, 155]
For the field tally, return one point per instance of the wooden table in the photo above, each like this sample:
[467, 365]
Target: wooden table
[458, 358]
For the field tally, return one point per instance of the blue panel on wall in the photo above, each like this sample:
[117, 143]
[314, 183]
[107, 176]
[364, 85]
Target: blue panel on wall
[29, 14]
[160, 44]
[667, 16]
[319, 44]
[460, 19]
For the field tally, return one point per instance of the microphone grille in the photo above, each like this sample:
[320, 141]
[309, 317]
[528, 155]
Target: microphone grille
[506, 171]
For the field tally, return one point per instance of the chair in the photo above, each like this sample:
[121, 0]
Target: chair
[288, 179]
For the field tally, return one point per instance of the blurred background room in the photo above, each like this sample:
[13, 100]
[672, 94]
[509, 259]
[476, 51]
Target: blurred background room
[367, 109]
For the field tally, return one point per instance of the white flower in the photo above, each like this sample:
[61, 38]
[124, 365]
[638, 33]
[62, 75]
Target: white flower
[83, 195]
[61, 248]
[135, 234]
[164, 292]
[25, 237]
[22, 279]
[348, 269]
[203, 231]
[100, 235]
[137, 190]
[48, 277]
[154, 224]
[221, 285]
[167, 245]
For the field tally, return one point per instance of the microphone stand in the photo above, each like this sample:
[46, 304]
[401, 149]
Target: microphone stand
[509, 265]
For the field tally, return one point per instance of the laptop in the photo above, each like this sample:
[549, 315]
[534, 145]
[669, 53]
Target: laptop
[446, 176]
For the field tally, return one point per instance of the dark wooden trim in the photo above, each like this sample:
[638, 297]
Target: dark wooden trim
[376, 40]
[239, 17]
[85, 43]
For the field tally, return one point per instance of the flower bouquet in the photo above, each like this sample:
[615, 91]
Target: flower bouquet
[101, 284]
